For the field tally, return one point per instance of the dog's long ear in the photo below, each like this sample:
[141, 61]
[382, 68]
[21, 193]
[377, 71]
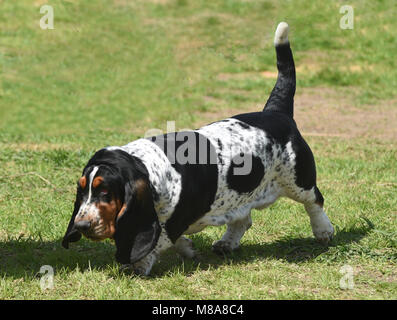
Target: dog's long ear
[137, 227]
[72, 235]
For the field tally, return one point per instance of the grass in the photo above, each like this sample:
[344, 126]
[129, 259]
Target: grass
[110, 70]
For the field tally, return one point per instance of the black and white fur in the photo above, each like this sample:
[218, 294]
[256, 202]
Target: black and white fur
[187, 197]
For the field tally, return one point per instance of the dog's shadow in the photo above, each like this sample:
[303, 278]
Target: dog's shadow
[24, 257]
[291, 250]
[20, 258]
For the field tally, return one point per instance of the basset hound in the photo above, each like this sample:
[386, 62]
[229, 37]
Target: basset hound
[148, 194]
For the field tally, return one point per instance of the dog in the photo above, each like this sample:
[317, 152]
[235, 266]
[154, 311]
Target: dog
[148, 194]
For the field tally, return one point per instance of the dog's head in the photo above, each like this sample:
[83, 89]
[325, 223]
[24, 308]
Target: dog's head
[115, 200]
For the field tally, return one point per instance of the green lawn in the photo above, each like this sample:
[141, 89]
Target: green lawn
[111, 70]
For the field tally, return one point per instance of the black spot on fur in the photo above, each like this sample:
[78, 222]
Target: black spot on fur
[199, 177]
[319, 197]
[243, 125]
[220, 145]
[244, 183]
[282, 129]
[269, 148]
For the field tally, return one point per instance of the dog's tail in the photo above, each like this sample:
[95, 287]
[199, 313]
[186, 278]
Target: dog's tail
[282, 97]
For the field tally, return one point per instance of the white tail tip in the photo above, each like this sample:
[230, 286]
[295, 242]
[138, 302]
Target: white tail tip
[281, 35]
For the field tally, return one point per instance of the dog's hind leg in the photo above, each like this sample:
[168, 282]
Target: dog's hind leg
[313, 201]
[321, 225]
[231, 239]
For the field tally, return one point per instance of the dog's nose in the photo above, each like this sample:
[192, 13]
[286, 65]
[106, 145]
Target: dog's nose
[82, 225]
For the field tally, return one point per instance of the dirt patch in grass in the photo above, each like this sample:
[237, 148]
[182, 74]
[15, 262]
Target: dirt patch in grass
[376, 275]
[326, 112]
[247, 75]
[127, 2]
[319, 112]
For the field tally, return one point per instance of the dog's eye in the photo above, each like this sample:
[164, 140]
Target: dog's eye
[104, 192]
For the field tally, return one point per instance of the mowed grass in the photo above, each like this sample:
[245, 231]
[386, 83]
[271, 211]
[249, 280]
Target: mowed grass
[111, 70]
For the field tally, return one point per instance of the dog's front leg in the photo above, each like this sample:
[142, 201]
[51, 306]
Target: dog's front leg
[142, 267]
[231, 239]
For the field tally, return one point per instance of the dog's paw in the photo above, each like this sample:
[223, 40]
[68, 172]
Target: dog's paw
[134, 269]
[222, 247]
[324, 234]
[126, 269]
[140, 270]
[184, 247]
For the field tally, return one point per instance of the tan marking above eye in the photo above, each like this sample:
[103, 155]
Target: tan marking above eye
[122, 210]
[83, 182]
[97, 181]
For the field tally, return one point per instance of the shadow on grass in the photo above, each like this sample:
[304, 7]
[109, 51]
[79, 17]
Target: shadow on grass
[291, 250]
[20, 258]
